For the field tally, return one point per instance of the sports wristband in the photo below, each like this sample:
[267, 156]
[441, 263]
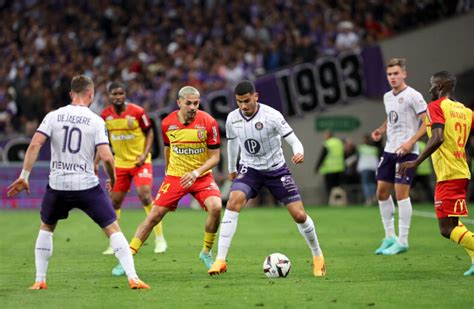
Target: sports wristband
[25, 174]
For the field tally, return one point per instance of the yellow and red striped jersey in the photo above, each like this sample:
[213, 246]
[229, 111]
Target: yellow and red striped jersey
[126, 132]
[189, 143]
[449, 160]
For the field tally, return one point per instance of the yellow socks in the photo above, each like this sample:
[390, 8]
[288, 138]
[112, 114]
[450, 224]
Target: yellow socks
[159, 227]
[135, 245]
[208, 241]
[118, 212]
[461, 235]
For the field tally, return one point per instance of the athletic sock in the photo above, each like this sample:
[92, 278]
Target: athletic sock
[461, 235]
[135, 245]
[208, 241]
[404, 219]
[123, 254]
[43, 251]
[228, 228]
[387, 209]
[309, 234]
[118, 212]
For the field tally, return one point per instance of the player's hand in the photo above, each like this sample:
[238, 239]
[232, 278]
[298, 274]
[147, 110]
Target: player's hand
[404, 149]
[297, 158]
[17, 186]
[141, 160]
[376, 135]
[403, 167]
[108, 185]
[188, 180]
[232, 176]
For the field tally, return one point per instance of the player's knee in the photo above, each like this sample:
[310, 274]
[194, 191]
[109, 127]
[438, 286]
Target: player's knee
[383, 194]
[234, 204]
[299, 217]
[145, 199]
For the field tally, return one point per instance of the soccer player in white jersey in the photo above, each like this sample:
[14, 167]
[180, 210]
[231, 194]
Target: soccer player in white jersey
[405, 107]
[76, 134]
[257, 129]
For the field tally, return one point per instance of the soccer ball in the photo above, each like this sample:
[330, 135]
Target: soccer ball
[276, 265]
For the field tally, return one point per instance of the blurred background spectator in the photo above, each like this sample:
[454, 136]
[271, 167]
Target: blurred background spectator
[155, 47]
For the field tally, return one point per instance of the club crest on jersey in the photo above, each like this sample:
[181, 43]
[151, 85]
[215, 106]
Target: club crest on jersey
[400, 100]
[130, 121]
[259, 126]
[201, 134]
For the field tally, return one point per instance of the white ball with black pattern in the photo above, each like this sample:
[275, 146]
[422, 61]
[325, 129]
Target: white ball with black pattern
[276, 265]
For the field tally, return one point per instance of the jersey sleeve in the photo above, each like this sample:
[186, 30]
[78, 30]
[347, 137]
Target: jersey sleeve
[213, 137]
[229, 132]
[419, 103]
[101, 136]
[166, 140]
[282, 127]
[143, 120]
[45, 127]
[435, 113]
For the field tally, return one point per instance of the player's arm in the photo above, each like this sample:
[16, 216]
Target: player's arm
[189, 178]
[435, 141]
[167, 157]
[105, 154]
[148, 142]
[232, 155]
[408, 145]
[297, 147]
[30, 158]
[380, 131]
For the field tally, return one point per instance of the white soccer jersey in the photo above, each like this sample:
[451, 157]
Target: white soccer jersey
[402, 117]
[74, 132]
[259, 137]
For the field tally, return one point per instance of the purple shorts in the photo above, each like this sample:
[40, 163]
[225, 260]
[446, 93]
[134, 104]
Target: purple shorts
[94, 202]
[388, 166]
[279, 182]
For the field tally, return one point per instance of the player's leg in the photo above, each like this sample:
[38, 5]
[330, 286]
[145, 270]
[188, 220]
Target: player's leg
[308, 231]
[43, 252]
[144, 193]
[117, 200]
[213, 206]
[120, 246]
[143, 178]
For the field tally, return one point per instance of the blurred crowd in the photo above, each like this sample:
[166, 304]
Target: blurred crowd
[156, 46]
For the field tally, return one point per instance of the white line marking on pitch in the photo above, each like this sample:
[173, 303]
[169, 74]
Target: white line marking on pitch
[426, 214]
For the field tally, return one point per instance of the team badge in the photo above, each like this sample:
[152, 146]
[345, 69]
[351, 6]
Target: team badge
[400, 100]
[201, 135]
[130, 121]
[259, 126]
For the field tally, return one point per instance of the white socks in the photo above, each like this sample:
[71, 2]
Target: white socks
[43, 251]
[309, 233]
[122, 252]
[404, 220]
[228, 227]
[387, 208]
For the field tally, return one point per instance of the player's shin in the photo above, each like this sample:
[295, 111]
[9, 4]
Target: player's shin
[43, 251]
[123, 254]
[228, 228]
[308, 232]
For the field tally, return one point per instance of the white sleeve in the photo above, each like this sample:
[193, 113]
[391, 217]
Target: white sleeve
[419, 103]
[282, 127]
[45, 126]
[232, 154]
[295, 143]
[101, 136]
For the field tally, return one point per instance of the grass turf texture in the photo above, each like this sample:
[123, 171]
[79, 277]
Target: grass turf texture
[430, 275]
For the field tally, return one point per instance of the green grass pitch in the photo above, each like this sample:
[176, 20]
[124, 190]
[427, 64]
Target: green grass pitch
[430, 275]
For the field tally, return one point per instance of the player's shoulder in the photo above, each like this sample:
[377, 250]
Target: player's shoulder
[172, 118]
[410, 91]
[134, 109]
[203, 116]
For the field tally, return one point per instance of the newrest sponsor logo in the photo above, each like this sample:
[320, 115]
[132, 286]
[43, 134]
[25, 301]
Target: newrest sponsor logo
[188, 151]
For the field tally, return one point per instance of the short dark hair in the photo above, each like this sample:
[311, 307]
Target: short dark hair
[81, 83]
[115, 85]
[244, 87]
[445, 77]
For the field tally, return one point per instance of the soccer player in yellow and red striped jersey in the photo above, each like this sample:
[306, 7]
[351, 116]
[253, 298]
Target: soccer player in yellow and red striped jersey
[131, 137]
[192, 140]
[448, 125]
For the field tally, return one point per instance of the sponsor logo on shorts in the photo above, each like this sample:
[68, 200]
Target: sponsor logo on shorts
[188, 150]
[460, 204]
[438, 203]
[145, 174]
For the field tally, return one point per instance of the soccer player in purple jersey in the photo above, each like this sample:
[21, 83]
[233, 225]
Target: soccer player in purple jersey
[76, 134]
[257, 130]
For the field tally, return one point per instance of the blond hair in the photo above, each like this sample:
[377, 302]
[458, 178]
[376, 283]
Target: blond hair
[396, 62]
